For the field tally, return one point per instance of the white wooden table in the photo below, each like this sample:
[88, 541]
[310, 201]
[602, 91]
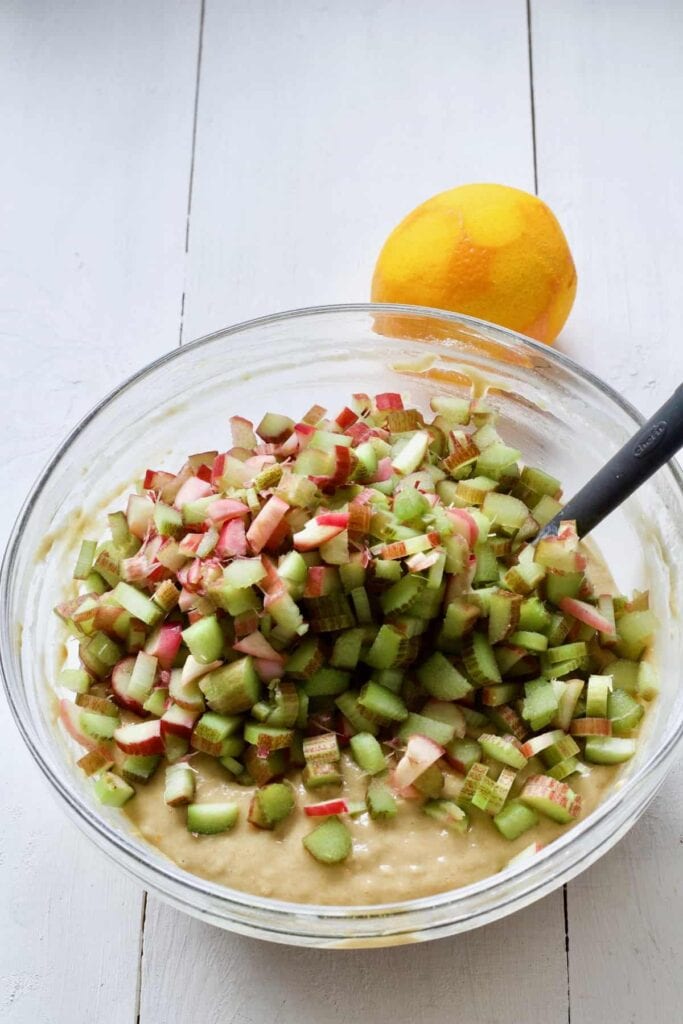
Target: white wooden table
[172, 167]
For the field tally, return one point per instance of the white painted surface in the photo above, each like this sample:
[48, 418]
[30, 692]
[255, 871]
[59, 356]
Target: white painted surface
[319, 125]
[608, 92]
[96, 106]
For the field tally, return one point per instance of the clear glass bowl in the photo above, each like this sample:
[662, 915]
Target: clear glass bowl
[562, 417]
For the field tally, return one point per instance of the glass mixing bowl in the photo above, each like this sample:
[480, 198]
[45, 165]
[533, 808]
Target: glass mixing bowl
[564, 420]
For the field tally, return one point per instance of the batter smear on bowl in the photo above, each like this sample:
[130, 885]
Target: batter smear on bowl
[331, 665]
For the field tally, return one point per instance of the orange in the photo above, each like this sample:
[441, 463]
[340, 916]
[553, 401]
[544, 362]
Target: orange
[490, 251]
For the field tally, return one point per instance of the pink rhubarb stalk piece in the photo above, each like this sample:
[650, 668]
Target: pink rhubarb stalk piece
[421, 752]
[193, 489]
[257, 645]
[224, 509]
[587, 614]
[232, 540]
[266, 523]
[327, 807]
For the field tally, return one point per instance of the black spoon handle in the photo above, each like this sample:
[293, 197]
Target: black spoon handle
[643, 455]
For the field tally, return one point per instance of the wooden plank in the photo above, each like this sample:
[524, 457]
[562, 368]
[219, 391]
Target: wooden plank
[192, 971]
[318, 129]
[321, 126]
[609, 102]
[608, 99]
[96, 103]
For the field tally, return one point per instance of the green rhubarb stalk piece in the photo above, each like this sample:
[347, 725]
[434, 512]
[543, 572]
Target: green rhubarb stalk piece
[205, 640]
[380, 800]
[271, 804]
[112, 790]
[232, 688]
[515, 819]
[211, 819]
[609, 749]
[179, 785]
[329, 843]
[441, 679]
[368, 753]
[504, 749]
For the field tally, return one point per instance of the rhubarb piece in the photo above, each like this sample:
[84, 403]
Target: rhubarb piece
[491, 794]
[322, 749]
[540, 703]
[211, 819]
[609, 749]
[430, 782]
[142, 678]
[439, 732]
[75, 679]
[97, 726]
[563, 748]
[448, 814]
[441, 679]
[515, 819]
[623, 711]
[93, 762]
[380, 801]
[591, 727]
[139, 768]
[421, 752]
[326, 808]
[597, 693]
[503, 748]
[232, 688]
[534, 615]
[111, 790]
[320, 773]
[368, 753]
[445, 711]
[140, 738]
[84, 562]
[563, 769]
[480, 662]
[268, 737]
[462, 754]
[381, 704]
[551, 798]
[327, 682]
[270, 805]
[212, 730]
[329, 843]
[180, 785]
[136, 603]
[348, 705]
[648, 682]
[504, 612]
[204, 640]
[305, 661]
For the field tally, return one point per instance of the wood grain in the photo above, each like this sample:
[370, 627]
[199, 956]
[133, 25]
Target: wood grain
[608, 92]
[609, 103]
[193, 971]
[96, 106]
[321, 125]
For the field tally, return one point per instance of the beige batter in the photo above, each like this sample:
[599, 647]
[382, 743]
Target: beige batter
[405, 858]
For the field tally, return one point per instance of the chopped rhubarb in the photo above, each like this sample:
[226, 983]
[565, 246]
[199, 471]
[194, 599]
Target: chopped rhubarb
[361, 596]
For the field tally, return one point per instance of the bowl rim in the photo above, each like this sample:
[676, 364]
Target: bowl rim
[233, 899]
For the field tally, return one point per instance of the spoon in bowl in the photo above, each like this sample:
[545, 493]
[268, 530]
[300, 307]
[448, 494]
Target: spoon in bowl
[654, 444]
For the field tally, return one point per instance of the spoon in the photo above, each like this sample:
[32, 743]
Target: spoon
[646, 452]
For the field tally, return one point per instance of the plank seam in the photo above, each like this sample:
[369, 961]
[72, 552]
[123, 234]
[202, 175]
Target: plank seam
[141, 952]
[531, 91]
[190, 188]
